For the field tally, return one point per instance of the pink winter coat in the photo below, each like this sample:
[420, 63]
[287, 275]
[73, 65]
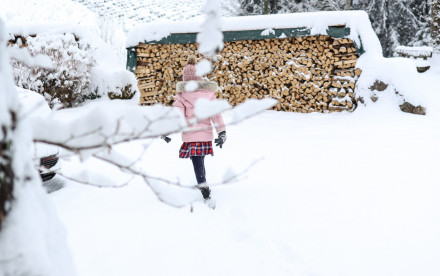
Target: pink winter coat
[185, 101]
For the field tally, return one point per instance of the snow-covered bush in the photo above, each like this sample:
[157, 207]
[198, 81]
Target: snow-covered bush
[80, 70]
[68, 83]
[120, 84]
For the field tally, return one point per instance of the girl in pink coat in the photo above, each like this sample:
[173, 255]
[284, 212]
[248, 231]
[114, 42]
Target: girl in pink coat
[198, 143]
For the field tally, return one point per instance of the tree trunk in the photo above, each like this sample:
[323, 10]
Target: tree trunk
[265, 7]
[349, 4]
[7, 173]
[435, 25]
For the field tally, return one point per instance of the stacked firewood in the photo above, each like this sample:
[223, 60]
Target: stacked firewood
[21, 41]
[305, 74]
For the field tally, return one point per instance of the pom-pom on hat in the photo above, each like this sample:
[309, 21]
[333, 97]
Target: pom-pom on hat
[189, 71]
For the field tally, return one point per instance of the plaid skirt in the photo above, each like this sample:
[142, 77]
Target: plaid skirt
[189, 149]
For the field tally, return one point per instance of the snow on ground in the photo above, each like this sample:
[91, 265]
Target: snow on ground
[335, 194]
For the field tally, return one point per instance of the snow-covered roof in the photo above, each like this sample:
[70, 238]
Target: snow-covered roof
[317, 22]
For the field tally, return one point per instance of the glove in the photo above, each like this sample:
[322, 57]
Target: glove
[166, 138]
[221, 139]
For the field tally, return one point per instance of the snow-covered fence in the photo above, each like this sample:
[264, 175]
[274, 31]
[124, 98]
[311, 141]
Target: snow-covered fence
[306, 62]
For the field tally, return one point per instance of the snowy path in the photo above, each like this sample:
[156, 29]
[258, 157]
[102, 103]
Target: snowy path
[336, 194]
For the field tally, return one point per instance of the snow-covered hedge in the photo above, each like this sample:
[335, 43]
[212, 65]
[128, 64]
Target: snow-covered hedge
[79, 70]
[68, 82]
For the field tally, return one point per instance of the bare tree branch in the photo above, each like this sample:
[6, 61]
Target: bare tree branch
[106, 141]
[94, 184]
[147, 179]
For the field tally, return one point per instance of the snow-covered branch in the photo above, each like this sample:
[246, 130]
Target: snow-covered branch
[210, 38]
[104, 124]
[23, 55]
[158, 185]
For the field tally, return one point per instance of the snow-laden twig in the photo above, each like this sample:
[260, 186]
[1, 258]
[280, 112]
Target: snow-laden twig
[334, 5]
[80, 135]
[110, 134]
[130, 167]
[23, 55]
[210, 38]
[89, 183]
[410, 16]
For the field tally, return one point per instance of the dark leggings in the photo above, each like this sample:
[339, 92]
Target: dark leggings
[199, 168]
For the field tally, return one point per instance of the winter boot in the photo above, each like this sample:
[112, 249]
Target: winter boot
[206, 192]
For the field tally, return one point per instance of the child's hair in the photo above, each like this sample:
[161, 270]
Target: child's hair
[191, 59]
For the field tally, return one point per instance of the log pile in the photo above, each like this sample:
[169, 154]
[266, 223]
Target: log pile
[305, 74]
[20, 40]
